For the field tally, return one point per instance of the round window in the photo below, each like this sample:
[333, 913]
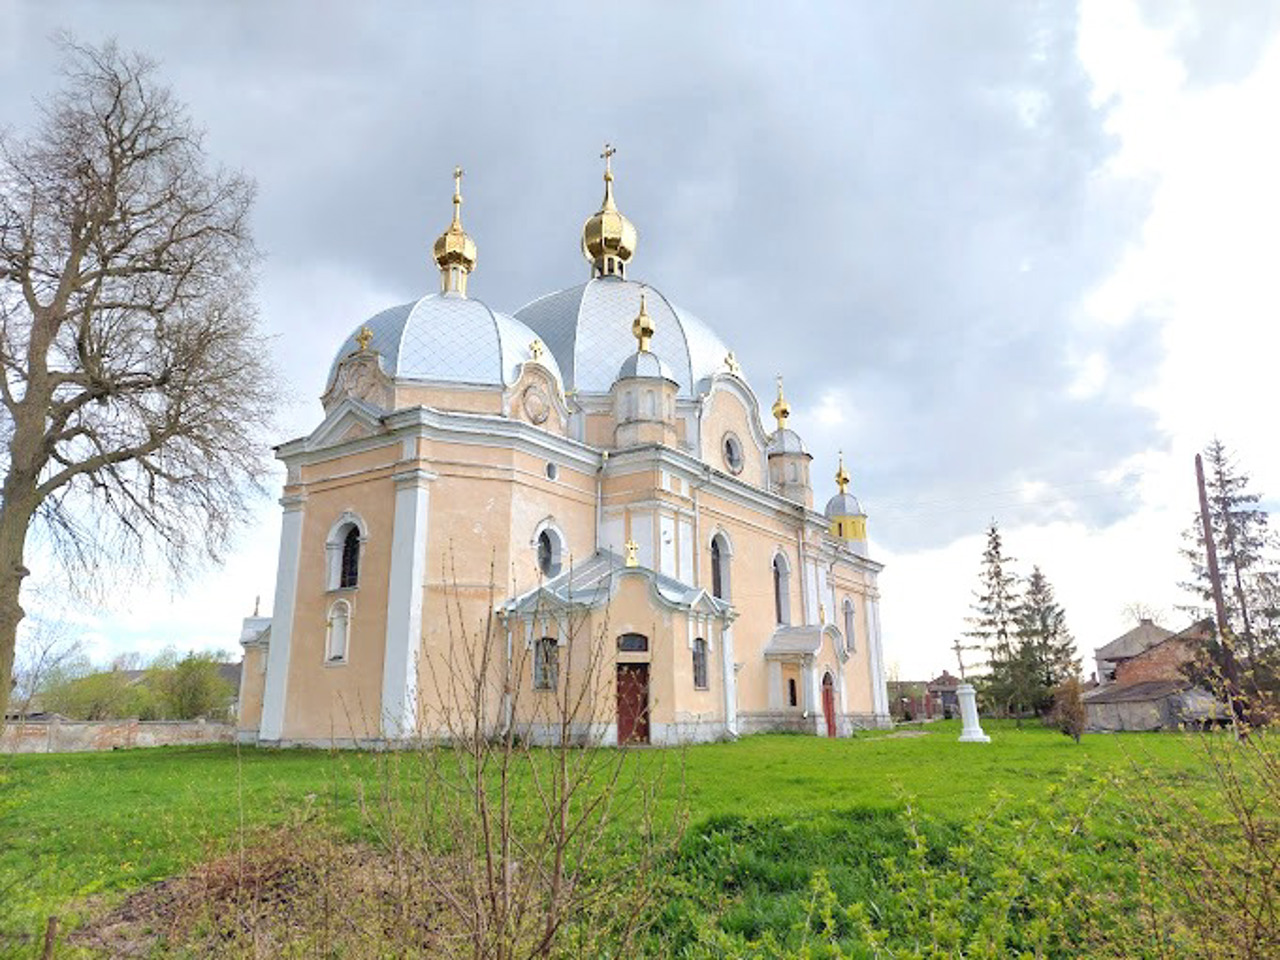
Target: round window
[732, 447]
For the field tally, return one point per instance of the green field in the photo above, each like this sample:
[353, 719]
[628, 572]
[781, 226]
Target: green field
[765, 814]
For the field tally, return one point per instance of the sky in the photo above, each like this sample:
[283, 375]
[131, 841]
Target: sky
[1016, 260]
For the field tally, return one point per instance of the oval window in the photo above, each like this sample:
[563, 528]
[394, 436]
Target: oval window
[732, 447]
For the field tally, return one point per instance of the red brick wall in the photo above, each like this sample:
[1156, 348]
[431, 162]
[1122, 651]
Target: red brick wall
[1161, 662]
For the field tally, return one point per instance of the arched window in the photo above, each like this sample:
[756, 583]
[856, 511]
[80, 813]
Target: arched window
[338, 633]
[849, 641]
[344, 549]
[633, 643]
[720, 567]
[549, 546]
[781, 589]
[793, 695]
[546, 663]
[350, 576]
[700, 663]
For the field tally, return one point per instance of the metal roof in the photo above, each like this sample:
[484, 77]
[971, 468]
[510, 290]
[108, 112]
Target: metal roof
[447, 338]
[642, 363]
[591, 583]
[588, 328]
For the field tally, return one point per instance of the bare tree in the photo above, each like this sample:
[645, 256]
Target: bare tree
[134, 388]
[44, 651]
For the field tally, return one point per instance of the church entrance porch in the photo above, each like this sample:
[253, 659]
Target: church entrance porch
[633, 703]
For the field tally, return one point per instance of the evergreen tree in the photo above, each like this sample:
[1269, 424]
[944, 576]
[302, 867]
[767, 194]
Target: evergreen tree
[1245, 546]
[1046, 649]
[993, 624]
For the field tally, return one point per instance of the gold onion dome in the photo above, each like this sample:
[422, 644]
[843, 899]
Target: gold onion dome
[781, 409]
[455, 251]
[608, 238]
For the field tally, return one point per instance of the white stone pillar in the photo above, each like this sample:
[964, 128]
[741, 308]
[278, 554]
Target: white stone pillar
[404, 605]
[812, 691]
[275, 686]
[972, 730]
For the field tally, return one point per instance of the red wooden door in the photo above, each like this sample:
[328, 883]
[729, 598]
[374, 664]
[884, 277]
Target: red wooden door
[829, 703]
[633, 703]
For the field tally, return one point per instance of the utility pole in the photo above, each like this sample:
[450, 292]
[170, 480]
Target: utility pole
[1220, 608]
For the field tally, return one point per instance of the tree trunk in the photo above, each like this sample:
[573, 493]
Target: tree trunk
[15, 517]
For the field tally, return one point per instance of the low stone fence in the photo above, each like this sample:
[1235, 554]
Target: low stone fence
[57, 735]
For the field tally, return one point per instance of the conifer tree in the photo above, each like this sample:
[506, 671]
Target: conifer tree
[1246, 562]
[993, 624]
[1046, 648]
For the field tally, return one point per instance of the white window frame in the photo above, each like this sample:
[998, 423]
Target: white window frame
[333, 549]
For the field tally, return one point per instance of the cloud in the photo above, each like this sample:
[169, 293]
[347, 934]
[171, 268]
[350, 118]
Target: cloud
[1217, 41]
[904, 209]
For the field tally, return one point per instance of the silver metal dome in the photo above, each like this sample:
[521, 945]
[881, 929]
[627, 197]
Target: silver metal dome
[784, 441]
[448, 338]
[644, 363]
[844, 505]
[588, 328]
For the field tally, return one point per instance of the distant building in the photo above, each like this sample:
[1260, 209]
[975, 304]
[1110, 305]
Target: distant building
[1150, 690]
[1142, 637]
[942, 691]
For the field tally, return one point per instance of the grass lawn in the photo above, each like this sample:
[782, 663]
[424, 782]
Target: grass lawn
[76, 825]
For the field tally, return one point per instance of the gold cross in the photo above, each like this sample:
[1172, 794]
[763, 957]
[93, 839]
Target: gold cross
[609, 151]
[457, 179]
[363, 338]
[632, 549]
[535, 350]
[731, 362]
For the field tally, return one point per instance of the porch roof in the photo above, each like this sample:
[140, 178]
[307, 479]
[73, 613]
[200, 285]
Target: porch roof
[592, 583]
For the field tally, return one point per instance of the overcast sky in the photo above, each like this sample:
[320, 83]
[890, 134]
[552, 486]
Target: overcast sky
[1016, 259]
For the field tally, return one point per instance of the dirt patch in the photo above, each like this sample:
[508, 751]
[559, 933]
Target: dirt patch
[290, 891]
[905, 734]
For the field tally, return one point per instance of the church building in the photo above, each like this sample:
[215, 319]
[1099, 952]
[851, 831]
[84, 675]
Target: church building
[571, 518]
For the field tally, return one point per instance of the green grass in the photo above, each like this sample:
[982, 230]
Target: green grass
[77, 825]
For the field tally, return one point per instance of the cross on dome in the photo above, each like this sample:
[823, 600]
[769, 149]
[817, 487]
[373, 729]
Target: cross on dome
[608, 238]
[455, 251]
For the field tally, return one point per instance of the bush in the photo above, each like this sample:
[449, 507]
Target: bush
[1069, 714]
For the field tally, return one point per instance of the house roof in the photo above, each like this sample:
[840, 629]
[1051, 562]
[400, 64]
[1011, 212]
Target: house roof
[1146, 634]
[945, 682]
[1136, 692]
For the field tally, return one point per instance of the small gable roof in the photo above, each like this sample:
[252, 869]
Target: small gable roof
[1145, 635]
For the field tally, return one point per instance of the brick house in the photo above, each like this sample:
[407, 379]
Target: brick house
[1150, 690]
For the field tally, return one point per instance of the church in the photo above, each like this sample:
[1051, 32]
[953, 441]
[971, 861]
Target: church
[570, 520]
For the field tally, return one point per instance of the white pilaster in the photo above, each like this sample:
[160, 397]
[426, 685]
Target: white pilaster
[275, 687]
[730, 680]
[404, 605]
[879, 692]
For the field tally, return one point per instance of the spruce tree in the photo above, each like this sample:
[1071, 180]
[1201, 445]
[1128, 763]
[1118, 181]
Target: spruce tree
[1246, 563]
[993, 623]
[1045, 645]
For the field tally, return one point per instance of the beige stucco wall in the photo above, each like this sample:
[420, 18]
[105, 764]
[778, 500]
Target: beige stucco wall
[725, 412]
[252, 674]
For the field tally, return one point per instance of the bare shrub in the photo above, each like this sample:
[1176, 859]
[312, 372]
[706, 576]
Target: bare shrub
[1069, 714]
